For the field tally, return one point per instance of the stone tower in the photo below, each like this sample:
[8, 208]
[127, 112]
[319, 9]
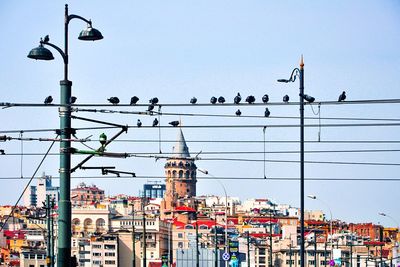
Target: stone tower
[180, 172]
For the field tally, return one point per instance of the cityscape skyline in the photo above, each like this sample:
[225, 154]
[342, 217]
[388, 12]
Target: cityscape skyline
[176, 51]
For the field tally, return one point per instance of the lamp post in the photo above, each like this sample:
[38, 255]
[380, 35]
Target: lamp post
[133, 237]
[226, 209]
[331, 219]
[300, 73]
[64, 205]
[396, 245]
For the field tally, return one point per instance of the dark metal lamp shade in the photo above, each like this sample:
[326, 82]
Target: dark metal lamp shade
[41, 53]
[90, 34]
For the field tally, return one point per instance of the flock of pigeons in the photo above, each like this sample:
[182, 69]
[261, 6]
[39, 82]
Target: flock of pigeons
[221, 100]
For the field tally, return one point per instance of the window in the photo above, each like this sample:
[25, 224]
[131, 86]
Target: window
[311, 262]
[96, 254]
[180, 235]
[109, 246]
[110, 254]
[110, 262]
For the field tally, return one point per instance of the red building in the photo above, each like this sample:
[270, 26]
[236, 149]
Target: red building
[86, 195]
[369, 231]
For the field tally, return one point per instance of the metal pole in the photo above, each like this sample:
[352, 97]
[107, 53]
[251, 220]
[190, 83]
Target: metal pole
[64, 219]
[351, 254]
[302, 248]
[290, 253]
[270, 239]
[170, 245]
[315, 248]
[52, 233]
[48, 252]
[197, 242]
[133, 237]
[216, 241]
[248, 249]
[144, 235]
[325, 252]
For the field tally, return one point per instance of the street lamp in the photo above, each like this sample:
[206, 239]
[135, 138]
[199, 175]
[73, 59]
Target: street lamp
[331, 218]
[226, 208]
[396, 244]
[42, 53]
[300, 73]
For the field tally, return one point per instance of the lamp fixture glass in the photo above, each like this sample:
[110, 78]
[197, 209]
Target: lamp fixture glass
[90, 34]
[40, 53]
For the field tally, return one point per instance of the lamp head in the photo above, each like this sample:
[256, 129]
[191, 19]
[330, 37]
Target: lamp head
[381, 213]
[312, 196]
[90, 34]
[40, 53]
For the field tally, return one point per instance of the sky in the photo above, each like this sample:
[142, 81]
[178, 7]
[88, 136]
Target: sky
[175, 50]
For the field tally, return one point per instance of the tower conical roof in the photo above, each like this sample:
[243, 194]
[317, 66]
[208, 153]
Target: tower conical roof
[180, 149]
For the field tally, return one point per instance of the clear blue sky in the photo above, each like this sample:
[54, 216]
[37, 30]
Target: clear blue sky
[179, 49]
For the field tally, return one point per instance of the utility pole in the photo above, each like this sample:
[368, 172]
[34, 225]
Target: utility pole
[315, 248]
[52, 232]
[133, 237]
[144, 233]
[270, 239]
[197, 236]
[49, 236]
[248, 249]
[215, 240]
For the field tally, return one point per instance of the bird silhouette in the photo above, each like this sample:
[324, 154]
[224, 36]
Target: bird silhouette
[48, 100]
[213, 100]
[139, 123]
[286, 99]
[150, 107]
[237, 99]
[250, 99]
[265, 98]
[153, 101]
[309, 98]
[134, 100]
[113, 100]
[155, 122]
[193, 100]
[174, 123]
[46, 39]
[72, 100]
[221, 99]
[267, 112]
[342, 97]
[238, 112]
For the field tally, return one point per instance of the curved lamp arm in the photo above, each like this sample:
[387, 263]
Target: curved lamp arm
[295, 73]
[73, 16]
[59, 50]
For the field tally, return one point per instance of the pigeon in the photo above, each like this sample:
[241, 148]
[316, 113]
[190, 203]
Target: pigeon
[48, 100]
[221, 99]
[134, 100]
[72, 100]
[150, 108]
[113, 100]
[250, 99]
[193, 100]
[286, 99]
[153, 101]
[267, 112]
[174, 123]
[237, 99]
[213, 100]
[46, 39]
[139, 123]
[155, 122]
[238, 112]
[342, 97]
[309, 98]
[265, 98]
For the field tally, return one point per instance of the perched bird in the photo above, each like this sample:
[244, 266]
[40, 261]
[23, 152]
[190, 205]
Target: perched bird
[238, 112]
[267, 112]
[155, 122]
[46, 39]
[139, 123]
[342, 97]
[134, 100]
[72, 100]
[150, 107]
[48, 100]
[265, 98]
[193, 100]
[213, 100]
[250, 99]
[286, 99]
[174, 123]
[237, 99]
[154, 100]
[114, 100]
[221, 99]
[309, 98]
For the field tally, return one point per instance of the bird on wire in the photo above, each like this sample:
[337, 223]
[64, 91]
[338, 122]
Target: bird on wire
[267, 112]
[213, 100]
[134, 100]
[150, 107]
[342, 97]
[265, 98]
[285, 98]
[250, 99]
[238, 112]
[72, 100]
[48, 100]
[153, 101]
[139, 123]
[174, 123]
[237, 98]
[221, 99]
[193, 100]
[113, 100]
[155, 122]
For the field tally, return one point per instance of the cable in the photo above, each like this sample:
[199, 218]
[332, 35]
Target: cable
[26, 187]
[129, 177]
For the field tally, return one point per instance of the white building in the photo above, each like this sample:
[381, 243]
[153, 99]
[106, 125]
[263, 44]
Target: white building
[35, 195]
